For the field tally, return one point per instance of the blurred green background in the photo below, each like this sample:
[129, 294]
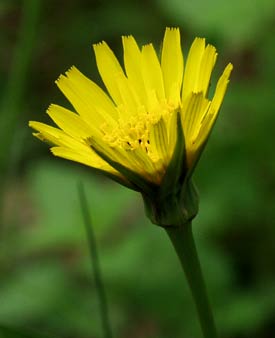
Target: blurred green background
[46, 282]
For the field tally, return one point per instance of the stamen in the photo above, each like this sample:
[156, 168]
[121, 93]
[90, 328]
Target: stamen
[134, 133]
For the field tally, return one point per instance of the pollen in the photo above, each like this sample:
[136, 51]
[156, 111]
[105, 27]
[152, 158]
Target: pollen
[134, 133]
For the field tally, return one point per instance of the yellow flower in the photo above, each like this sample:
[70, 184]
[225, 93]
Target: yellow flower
[132, 133]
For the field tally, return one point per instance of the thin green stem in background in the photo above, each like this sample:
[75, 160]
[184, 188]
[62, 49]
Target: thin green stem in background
[183, 242]
[12, 98]
[95, 263]
[18, 78]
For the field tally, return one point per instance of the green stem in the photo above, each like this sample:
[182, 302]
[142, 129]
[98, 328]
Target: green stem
[15, 87]
[104, 313]
[18, 76]
[183, 242]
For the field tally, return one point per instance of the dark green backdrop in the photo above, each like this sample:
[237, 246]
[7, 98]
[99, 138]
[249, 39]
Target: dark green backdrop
[45, 278]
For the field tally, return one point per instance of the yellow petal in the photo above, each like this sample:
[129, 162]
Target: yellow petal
[62, 140]
[197, 106]
[87, 98]
[220, 89]
[192, 68]
[71, 123]
[132, 64]
[115, 153]
[207, 64]
[136, 127]
[153, 171]
[136, 160]
[54, 135]
[151, 72]
[109, 69]
[159, 141]
[171, 124]
[130, 101]
[83, 157]
[212, 110]
[172, 65]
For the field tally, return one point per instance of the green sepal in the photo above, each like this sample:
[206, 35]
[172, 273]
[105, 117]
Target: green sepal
[189, 199]
[175, 209]
[175, 203]
[137, 182]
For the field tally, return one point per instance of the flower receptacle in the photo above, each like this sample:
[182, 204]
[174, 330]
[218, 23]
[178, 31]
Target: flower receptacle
[175, 209]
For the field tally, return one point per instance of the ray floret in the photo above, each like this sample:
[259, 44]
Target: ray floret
[130, 130]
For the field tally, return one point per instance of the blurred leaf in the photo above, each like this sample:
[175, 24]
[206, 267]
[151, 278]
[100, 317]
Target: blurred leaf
[45, 273]
[8, 332]
[59, 221]
[30, 291]
[236, 21]
[247, 310]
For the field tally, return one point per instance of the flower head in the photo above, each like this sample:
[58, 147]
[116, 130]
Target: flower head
[149, 130]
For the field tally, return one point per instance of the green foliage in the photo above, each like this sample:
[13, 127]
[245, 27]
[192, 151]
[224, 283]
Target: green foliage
[7, 332]
[237, 22]
[46, 282]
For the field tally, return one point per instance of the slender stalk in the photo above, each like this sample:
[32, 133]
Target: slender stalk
[183, 242]
[16, 83]
[102, 299]
[18, 76]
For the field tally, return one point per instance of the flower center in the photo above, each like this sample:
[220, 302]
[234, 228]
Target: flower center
[135, 132]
